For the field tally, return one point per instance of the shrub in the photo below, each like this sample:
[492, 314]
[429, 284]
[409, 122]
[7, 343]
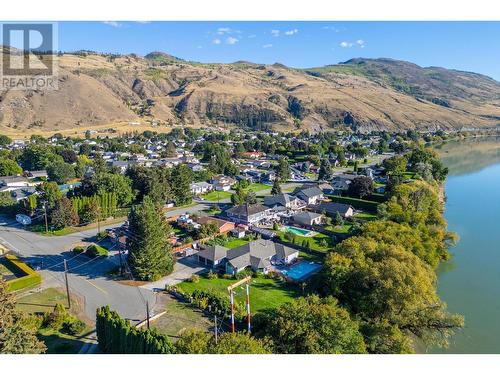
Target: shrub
[227, 276]
[78, 249]
[195, 279]
[96, 251]
[212, 275]
[56, 318]
[73, 326]
[101, 235]
[30, 279]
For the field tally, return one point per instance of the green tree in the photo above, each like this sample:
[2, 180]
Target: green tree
[64, 214]
[9, 167]
[180, 180]
[170, 151]
[276, 189]
[197, 342]
[60, 172]
[361, 187]
[150, 255]
[325, 170]
[50, 193]
[4, 140]
[310, 325]
[37, 156]
[283, 169]
[17, 336]
[383, 283]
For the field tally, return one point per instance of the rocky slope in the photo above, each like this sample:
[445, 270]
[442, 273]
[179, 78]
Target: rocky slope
[364, 94]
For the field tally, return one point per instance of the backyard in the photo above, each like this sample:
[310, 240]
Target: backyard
[264, 292]
[319, 242]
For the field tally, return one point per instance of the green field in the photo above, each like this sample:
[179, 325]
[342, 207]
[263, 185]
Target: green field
[45, 301]
[338, 229]
[258, 187]
[365, 216]
[264, 293]
[179, 316]
[214, 196]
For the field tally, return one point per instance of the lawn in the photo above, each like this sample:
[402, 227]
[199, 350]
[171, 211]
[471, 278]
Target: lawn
[178, 316]
[258, 187]
[338, 229]
[365, 216]
[214, 196]
[236, 242]
[319, 242]
[45, 301]
[264, 293]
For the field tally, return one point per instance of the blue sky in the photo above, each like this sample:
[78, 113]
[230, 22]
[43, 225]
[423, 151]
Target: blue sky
[471, 46]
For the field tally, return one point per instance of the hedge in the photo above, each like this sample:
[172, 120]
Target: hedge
[360, 204]
[116, 336]
[30, 278]
[96, 251]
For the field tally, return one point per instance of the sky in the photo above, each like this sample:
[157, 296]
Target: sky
[469, 46]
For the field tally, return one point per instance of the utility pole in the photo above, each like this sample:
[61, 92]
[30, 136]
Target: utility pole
[216, 336]
[46, 222]
[67, 285]
[147, 313]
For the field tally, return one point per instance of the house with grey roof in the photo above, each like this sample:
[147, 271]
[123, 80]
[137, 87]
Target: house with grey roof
[259, 255]
[212, 255]
[307, 219]
[251, 214]
[287, 201]
[331, 209]
[310, 195]
[202, 187]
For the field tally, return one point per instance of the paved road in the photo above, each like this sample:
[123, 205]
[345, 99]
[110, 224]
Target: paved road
[87, 277]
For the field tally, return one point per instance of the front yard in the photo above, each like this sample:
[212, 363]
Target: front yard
[264, 293]
[215, 196]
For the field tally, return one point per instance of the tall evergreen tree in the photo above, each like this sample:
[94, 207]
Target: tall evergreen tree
[276, 189]
[325, 170]
[149, 251]
[283, 169]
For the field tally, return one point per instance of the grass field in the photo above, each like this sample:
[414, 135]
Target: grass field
[45, 301]
[231, 244]
[258, 187]
[214, 196]
[338, 229]
[264, 293]
[366, 216]
[178, 316]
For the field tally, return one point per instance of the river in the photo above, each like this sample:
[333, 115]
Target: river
[470, 282]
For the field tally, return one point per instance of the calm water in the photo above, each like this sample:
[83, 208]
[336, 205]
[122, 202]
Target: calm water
[470, 282]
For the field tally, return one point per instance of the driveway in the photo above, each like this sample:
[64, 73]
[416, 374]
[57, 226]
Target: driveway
[86, 277]
[183, 270]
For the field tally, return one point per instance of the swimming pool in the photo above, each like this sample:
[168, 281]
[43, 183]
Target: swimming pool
[299, 231]
[301, 271]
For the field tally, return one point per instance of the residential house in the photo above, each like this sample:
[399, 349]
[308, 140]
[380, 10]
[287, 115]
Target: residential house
[307, 219]
[41, 174]
[212, 255]
[222, 183]
[259, 255]
[287, 201]
[22, 193]
[331, 209]
[198, 188]
[222, 225]
[310, 195]
[9, 183]
[251, 214]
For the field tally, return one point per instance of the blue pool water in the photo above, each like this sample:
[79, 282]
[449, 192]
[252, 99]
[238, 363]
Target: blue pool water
[301, 270]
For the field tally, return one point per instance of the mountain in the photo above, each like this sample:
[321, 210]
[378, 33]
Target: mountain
[366, 94]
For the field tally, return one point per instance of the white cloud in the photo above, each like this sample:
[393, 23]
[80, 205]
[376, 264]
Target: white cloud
[231, 40]
[345, 44]
[252, 36]
[216, 41]
[269, 45]
[332, 28]
[275, 32]
[358, 43]
[223, 30]
[291, 32]
[112, 23]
